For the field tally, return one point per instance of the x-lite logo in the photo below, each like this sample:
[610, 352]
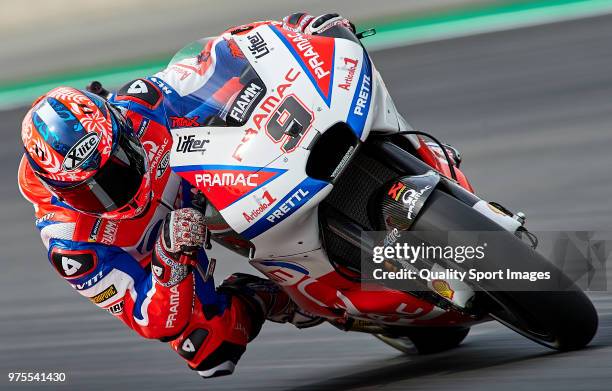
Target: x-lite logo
[81, 151]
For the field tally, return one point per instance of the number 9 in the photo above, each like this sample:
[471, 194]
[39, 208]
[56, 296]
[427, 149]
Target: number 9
[291, 115]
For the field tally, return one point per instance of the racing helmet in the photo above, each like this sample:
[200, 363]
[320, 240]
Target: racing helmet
[86, 154]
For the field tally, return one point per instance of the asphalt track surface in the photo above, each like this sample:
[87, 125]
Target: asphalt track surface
[531, 111]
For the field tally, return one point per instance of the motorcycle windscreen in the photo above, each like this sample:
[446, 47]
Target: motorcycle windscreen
[226, 87]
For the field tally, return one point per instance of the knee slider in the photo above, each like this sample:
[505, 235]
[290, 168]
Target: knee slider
[220, 362]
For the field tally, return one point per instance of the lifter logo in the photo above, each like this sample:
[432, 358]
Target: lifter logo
[259, 47]
[190, 144]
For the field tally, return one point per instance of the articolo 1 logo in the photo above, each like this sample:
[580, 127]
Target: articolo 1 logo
[350, 75]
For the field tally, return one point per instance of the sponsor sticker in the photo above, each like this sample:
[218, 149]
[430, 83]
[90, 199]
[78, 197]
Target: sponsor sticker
[224, 185]
[93, 235]
[258, 46]
[189, 143]
[184, 122]
[264, 204]
[264, 110]
[117, 308]
[174, 303]
[245, 102]
[396, 190]
[109, 234]
[81, 151]
[90, 282]
[411, 197]
[443, 289]
[284, 208]
[104, 295]
[144, 125]
[44, 219]
[163, 165]
[360, 105]
[347, 82]
[316, 57]
[227, 178]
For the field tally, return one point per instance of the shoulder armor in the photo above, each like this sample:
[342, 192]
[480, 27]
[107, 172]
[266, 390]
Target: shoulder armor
[141, 91]
[72, 264]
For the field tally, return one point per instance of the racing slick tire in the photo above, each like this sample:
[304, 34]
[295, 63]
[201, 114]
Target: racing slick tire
[562, 319]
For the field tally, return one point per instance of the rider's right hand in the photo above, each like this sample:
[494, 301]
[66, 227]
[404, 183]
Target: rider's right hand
[183, 231]
[182, 235]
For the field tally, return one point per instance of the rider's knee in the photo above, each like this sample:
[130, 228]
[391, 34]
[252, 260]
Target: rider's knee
[212, 345]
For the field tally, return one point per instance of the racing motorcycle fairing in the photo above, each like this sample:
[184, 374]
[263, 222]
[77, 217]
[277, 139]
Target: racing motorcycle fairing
[401, 200]
[255, 169]
[309, 84]
[261, 163]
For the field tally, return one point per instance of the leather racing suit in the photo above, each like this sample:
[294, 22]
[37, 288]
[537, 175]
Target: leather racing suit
[110, 262]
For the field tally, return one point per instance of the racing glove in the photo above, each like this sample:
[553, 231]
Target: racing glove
[301, 22]
[182, 235]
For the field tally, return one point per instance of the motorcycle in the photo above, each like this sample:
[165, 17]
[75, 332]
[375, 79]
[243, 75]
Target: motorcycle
[294, 174]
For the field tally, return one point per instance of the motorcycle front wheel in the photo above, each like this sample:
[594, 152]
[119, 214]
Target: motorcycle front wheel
[560, 319]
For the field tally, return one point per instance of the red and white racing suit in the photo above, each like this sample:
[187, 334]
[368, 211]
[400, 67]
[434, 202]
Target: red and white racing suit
[109, 261]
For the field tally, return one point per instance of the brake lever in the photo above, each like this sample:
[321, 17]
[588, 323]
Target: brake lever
[366, 33]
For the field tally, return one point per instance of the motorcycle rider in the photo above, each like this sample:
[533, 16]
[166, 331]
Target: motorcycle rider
[125, 231]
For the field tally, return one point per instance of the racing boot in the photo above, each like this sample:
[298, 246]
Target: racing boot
[267, 299]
